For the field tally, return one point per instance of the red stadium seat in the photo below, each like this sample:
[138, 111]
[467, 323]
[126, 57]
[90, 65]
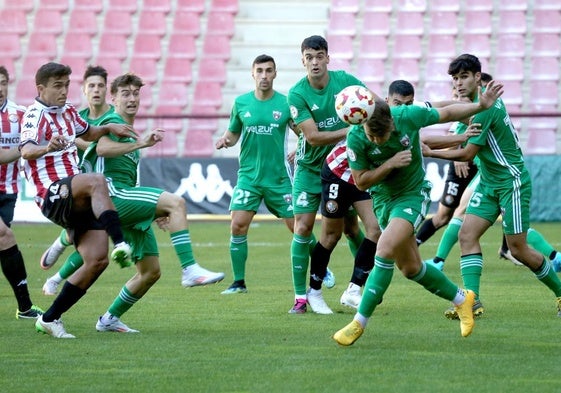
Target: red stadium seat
[409, 23]
[212, 70]
[547, 21]
[42, 44]
[48, 22]
[445, 5]
[95, 6]
[77, 44]
[178, 70]
[436, 69]
[509, 68]
[82, 22]
[113, 45]
[407, 69]
[197, 6]
[20, 5]
[477, 22]
[26, 91]
[412, 5]
[152, 22]
[10, 46]
[373, 47]
[544, 95]
[168, 147]
[341, 46]
[514, 5]
[481, 5]
[339, 64]
[371, 71]
[186, 22]
[208, 94]
[182, 46]
[157, 6]
[217, 47]
[542, 137]
[173, 93]
[407, 46]
[441, 45]
[345, 6]
[112, 64]
[546, 44]
[378, 5]
[512, 96]
[146, 97]
[513, 22]
[221, 23]
[56, 5]
[129, 6]
[545, 68]
[375, 23]
[546, 5]
[198, 140]
[477, 43]
[173, 124]
[147, 46]
[342, 23]
[147, 69]
[78, 65]
[443, 22]
[511, 45]
[13, 21]
[437, 91]
[224, 6]
[117, 22]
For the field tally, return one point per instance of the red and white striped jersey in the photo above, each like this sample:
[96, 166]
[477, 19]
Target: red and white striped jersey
[10, 127]
[41, 123]
[337, 162]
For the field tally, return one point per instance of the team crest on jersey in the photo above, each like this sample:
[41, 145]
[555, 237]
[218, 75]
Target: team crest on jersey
[27, 134]
[405, 141]
[331, 206]
[293, 112]
[63, 192]
[13, 118]
[287, 198]
[277, 115]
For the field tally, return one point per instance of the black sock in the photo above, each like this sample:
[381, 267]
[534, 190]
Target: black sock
[552, 255]
[13, 268]
[426, 230]
[504, 247]
[69, 295]
[318, 265]
[364, 261]
[437, 259]
[110, 221]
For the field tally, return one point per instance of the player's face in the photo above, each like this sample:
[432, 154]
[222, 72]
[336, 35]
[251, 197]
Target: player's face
[316, 62]
[55, 92]
[3, 89]
[264, 74]
[127, 100]
[466, 84]
[95, 90]
[378, 137]
[397, 99]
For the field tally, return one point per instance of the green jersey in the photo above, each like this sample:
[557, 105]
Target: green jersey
[309, 103]
[500, 156]
[363, 154]
[121, 171]
[263, 126]
[85, 114]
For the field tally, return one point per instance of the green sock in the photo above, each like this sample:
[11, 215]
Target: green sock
[238, 255]
[181, 241]
[471, 267]
[312, 243]
[538, 242]
[436, 282]
[376, 285]
[354, 242]
[449, 238]
[548, 277]
[72, 263]
[300, 258]
[63, 239]
[122, 303]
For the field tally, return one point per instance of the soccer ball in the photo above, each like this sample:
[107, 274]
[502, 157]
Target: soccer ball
[354, 104]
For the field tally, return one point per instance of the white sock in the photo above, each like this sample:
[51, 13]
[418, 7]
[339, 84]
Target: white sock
[361, 319]
[56, 278]
[460, 297]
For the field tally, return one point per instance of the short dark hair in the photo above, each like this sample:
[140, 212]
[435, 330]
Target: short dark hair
[486, 78]
[465, 62]
[95, 71]
[4, 71]
[315, 42]
[381, 120]
[49, 70]
[126, 80]
[264, 59]
[401, 87]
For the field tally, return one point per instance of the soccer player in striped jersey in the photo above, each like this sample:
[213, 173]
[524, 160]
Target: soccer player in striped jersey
[74, 200]
[11, 259]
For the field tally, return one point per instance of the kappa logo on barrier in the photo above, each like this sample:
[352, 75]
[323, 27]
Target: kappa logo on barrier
[198, 187]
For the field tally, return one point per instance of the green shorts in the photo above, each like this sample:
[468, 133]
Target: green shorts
[306, 191]
[278, 200]
[512, 202]
[137, 209]
[412, 206]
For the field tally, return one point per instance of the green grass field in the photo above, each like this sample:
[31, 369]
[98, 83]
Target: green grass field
[197, 340]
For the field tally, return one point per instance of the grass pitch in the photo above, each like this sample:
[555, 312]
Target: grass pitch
[197, 340]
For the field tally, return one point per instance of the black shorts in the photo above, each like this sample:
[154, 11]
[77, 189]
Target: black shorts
[338, 196]
[455, 185]
[58, 207]
[7, 207]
